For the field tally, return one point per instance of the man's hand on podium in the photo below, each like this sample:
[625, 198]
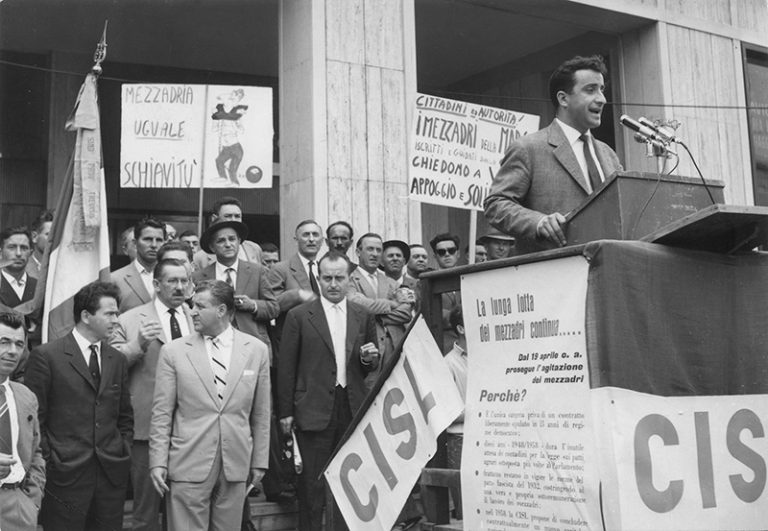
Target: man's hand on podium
[550, 227]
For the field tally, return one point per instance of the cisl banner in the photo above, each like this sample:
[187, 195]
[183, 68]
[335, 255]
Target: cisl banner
[373, 473]
[695, 460]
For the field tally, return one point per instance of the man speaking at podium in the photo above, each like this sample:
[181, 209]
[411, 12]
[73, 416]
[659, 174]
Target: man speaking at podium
[546, 174]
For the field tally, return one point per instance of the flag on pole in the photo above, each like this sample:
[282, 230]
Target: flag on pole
[78, 251]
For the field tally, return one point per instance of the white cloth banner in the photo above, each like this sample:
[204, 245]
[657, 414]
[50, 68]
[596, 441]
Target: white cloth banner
[529, 460]
[373, 473]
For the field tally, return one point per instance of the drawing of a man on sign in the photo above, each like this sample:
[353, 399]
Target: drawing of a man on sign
[227, 123]
[238, 150]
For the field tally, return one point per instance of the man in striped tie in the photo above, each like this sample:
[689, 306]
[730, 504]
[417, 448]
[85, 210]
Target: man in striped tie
[212, 392]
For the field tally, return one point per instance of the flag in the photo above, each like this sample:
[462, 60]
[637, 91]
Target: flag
[78, 250]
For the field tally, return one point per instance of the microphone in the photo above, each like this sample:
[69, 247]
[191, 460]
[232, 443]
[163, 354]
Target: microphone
[645, 131]
[661, 131]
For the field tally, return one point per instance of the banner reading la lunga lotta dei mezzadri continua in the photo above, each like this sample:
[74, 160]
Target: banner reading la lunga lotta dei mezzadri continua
[174, 134]
[456, 148]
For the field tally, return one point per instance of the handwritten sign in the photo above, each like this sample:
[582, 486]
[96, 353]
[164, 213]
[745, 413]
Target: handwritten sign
[456, 149]
[172, 135]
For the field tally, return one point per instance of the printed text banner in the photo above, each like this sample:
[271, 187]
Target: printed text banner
[529, 459]
[456, 148]
[373, 473]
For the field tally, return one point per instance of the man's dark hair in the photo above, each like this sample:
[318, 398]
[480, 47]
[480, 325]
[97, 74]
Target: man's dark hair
[219, 290]
[89, 297]
[306, 222]
[334, 256]
[44, 217]
[563, 76]
[186, 233]
[455, 317]
[444, 237]
[175, 245]
[343, 224]
[269, 247]
[226, 200]
[148, 222]
[13, 231]
[13, 320]
[367, 235]
[157, 273]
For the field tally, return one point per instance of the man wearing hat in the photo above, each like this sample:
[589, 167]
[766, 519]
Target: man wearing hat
[255, 304]
[395, 254]
[497, 244]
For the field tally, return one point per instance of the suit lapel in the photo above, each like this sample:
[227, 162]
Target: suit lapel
[353, 325]
[299, 273]
[318, 320]
[135, 283]
[564, 154]
[236, 366]
[362, 283]
[25, 413]
[7, 294]
[108, 365]
[77, 361]
[198, 357]
[244, 273]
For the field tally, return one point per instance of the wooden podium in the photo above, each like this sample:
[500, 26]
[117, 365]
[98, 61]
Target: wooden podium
[631, 205]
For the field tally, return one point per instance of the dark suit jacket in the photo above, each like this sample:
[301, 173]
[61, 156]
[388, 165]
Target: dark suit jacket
[251, 281]
[306, 369]
[132, 290]
[540, 175]
[78, 422]
[30, 454]
[9, 298]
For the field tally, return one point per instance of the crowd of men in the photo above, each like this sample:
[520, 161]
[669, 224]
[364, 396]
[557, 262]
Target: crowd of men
[267, 348]
[205, 352]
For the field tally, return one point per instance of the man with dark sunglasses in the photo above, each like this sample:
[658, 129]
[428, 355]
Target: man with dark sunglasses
[446, 249]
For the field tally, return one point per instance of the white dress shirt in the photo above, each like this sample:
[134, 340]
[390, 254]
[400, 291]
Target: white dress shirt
[165, 319]
[85, 347]
[577, 145]
[221, 272]
[17, 285]
[146, 276]
[17, 472]
[305, 263]
[336, 315]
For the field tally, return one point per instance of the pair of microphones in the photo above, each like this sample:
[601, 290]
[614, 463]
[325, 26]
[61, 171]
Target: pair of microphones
[648, 132]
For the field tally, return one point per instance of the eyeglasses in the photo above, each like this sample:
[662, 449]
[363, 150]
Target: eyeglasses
[443, 252]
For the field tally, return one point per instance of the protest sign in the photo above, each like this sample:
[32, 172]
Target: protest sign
[374, 471]
[172, 134]
[456, 148]
[529, 457]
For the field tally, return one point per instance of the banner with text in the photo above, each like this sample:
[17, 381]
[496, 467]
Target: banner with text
[373, 473]
[172, 134]
[456, 148]
[529, 460]
[696, 463]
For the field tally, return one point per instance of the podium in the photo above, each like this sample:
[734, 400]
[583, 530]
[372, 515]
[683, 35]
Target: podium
[631, 205]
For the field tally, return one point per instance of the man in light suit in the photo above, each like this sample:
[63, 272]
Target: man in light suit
[86, 419]
[327, 349]
[135, 279]
[212, 399]
[290, 279]
[546, 174]
[228, 209]
[139, 335]
[22, 467]
[255, 304]
[376, 292]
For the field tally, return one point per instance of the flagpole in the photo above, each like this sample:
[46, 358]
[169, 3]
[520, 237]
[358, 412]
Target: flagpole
[202, 169]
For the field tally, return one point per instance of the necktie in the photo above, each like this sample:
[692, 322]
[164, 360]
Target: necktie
[229, 272]
[312, 279]
[6, 441]
[93, 365]
[219, 370]
[175, 328]
[594, 173]
[374, 281]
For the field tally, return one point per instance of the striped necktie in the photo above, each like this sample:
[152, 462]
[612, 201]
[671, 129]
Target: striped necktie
[219, 369]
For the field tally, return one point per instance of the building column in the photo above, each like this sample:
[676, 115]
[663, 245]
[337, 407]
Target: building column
[347, 84]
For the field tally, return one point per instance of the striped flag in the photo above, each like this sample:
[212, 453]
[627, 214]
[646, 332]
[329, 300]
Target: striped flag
[78, 250]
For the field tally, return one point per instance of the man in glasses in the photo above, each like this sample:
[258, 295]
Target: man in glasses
[446, 249]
